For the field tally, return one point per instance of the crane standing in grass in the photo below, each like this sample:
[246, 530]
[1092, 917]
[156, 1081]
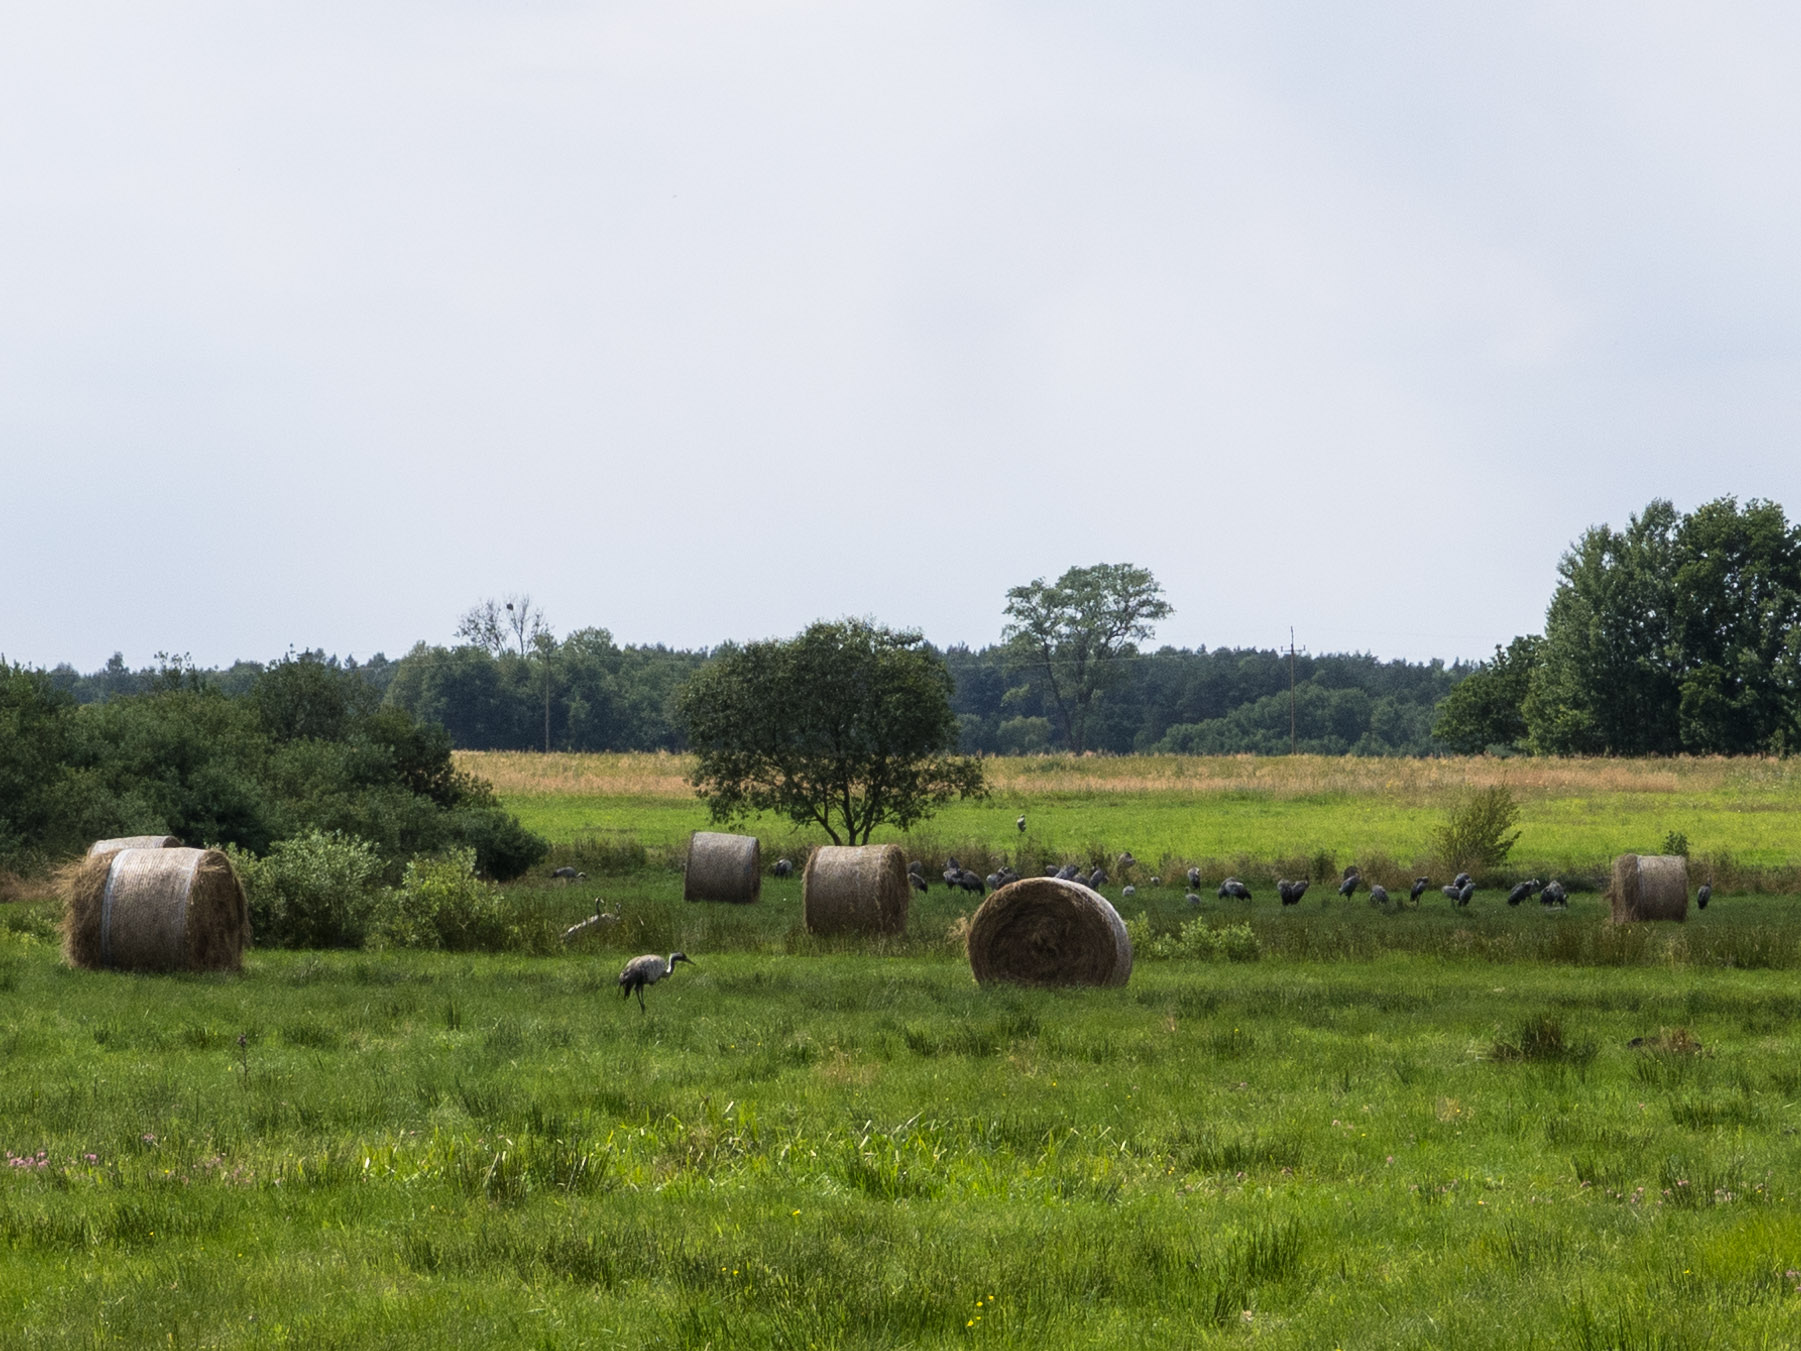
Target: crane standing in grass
[648, 970]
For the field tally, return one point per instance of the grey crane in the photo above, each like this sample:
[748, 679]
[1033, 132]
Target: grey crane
[1194, 878]
[1130, 891]
[1419, 886]
[1703, 896]
[1553, 894]
[1285, 890]
[599, 919]
[1523, 891]
[1125, 864]
[1192, 899]
[648, 970]
[568, 875]
[1378, 894]
[1465, 892]
[1451, 889]
[784, 867]
[1348, 887]
[1156, 881]
[968, 881]
[1460, 881]
[1098, 878]
[1021, 823]
[1068, 872]
[918, 883]
[1237, 890]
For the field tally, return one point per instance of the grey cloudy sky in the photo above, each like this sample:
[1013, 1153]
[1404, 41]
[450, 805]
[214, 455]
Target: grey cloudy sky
[320, 321]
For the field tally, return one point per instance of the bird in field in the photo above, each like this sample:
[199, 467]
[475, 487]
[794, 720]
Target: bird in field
[1130, 891]
[1021, 823]
[599, 919]
[1419, 886]
[1460, 880]
[1125, 863]
[1296, 890]
[1194, 878]
[1156, 881]
[1348, 887]
[784, 867]
[1378, 894]
[1068, 872]
[968, 881]
[1523, 891]
[1237, 890]
[648, 970]
[917, 882]
[1098, 878]
[917, 868]
[1553, 894]
[1451, 889]
[568, 875]
[1192, 899]
[1468, 890]
[1703, 896]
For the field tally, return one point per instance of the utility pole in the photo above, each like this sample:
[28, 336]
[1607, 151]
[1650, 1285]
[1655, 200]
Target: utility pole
[546, 651]
[1292, 743]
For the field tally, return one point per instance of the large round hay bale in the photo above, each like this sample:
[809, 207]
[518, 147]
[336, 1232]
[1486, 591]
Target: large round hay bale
[155, 910]
[859, 888]
[1648, 887]
[1045, 931]
[723, 867]
[113, 846]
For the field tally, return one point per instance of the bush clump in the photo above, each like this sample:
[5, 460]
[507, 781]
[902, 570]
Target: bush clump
[442, 903]
[1196, 941]
[1479, 832]
[316, 890]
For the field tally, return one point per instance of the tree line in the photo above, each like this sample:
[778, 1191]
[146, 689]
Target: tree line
[610, 697]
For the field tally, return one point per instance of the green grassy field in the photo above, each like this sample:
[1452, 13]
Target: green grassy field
[1393, 1128]
[1575, 814]
[1432, 1132]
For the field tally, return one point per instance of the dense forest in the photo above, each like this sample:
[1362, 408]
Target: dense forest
[603, 696]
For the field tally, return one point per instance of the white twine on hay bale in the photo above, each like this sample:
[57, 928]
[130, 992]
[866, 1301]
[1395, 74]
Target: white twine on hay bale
[723, 867]
[113, 846]
[155, 910]
[1046, 931]
[860, 889]
[1649, 887]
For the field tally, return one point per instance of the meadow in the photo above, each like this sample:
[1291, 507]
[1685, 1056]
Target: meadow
[1482, 1127]
[1742, 817]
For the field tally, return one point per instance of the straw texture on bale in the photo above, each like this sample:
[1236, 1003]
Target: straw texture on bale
[133, 842]
[1649, 886]
[723, 868]
[155, 910]
[1045, 931]
[856, 888]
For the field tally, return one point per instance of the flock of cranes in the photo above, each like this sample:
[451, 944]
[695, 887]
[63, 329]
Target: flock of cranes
[651, 968]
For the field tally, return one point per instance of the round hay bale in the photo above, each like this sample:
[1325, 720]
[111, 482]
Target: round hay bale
[133, 842]
[859, 889]
[1649, 887]
[723, 868]
[155, 910]
[1045, 931]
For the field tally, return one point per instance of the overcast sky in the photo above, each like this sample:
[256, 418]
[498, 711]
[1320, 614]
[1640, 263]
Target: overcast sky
[319, 322]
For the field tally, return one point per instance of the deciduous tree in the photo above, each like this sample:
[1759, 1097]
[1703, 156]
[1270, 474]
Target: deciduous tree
[847, 727]
[1072, 630]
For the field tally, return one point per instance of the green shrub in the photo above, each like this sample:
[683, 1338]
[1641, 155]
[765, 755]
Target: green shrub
[317, 890]
[1479, 832]
[504, 849]
[441, 903]
[1676, 842]
[1196, 941]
